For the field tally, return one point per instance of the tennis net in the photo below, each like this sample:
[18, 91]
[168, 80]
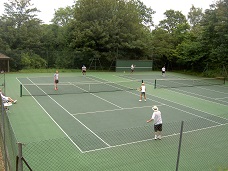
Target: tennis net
[174, 83]
[77, 88]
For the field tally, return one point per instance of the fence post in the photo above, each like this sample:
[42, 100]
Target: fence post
[179, 148]
[20, 163]
[3, 134]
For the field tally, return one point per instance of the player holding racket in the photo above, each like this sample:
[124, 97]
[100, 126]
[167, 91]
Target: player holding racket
[156, 116]
[56, 79]
[142, 90]
[132, 68]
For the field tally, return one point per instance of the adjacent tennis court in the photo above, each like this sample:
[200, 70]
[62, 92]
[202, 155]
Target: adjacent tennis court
[96, 122]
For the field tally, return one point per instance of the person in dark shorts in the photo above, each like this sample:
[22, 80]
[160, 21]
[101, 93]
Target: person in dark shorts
[163, 71]
[142, 92]
[132, 68]
[56, 80]
[156, 117]
[83, 70]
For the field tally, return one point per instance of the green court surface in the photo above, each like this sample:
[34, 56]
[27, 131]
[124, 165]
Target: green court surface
[96, 122]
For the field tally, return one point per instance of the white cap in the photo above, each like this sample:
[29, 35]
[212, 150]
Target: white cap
[155, 108]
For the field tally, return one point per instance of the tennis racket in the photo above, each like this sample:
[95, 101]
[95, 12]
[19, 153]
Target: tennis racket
[139, 89]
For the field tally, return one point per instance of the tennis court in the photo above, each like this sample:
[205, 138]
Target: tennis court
[96, 122]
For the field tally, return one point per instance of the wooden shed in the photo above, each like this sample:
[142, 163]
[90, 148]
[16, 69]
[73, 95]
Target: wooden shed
[4, 63]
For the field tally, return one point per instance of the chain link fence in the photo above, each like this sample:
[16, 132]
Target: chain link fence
[203, 147]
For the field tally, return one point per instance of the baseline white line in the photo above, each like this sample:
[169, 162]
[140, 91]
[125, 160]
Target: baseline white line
[72, 115]
[52, 118]
[135, 142]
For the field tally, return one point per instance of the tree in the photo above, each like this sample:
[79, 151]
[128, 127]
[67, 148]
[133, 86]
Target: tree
[109, 29]
[20, 28]
[215, 34]
[173, 19]
[195, 16]
[63, 16]
[170, 32]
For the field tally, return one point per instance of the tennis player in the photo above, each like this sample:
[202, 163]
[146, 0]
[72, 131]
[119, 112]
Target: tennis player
[132, 68]
[83, 70]
[56, 79]
[163, 71]
[143, 92]
[156, 117]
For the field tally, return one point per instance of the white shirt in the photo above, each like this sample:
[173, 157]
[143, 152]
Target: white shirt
[83, 68]
[143, 88]
[163, 69]
[132, 66]
[56, 76]
[157, 117]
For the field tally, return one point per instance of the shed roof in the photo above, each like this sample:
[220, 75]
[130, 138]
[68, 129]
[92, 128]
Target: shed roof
[2, 56]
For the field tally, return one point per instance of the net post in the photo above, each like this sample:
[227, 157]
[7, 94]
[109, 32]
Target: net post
[155, 81]
[20, 90]
[179, 147]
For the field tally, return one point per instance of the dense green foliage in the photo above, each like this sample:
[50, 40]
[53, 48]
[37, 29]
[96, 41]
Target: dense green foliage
[114, 29]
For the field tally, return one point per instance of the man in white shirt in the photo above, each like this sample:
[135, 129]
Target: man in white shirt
[132, 68]
[143, 92]
[83, 70]
[156, 117]
[56, 79]
[163, 71]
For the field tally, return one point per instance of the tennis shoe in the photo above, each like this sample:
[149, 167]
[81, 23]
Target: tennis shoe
[155, 137]
[140, 100]
[159, 137]
[15, 101]
[145, 100]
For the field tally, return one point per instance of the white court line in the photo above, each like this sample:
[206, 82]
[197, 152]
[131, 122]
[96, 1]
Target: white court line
[102, 111]
[96, 96]
[136, 142]
[221, 98]
[212, 90]
[190, 93]
[190, 108]
[169, 106]
[52, 118]
[185, 111]
[73, 116]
